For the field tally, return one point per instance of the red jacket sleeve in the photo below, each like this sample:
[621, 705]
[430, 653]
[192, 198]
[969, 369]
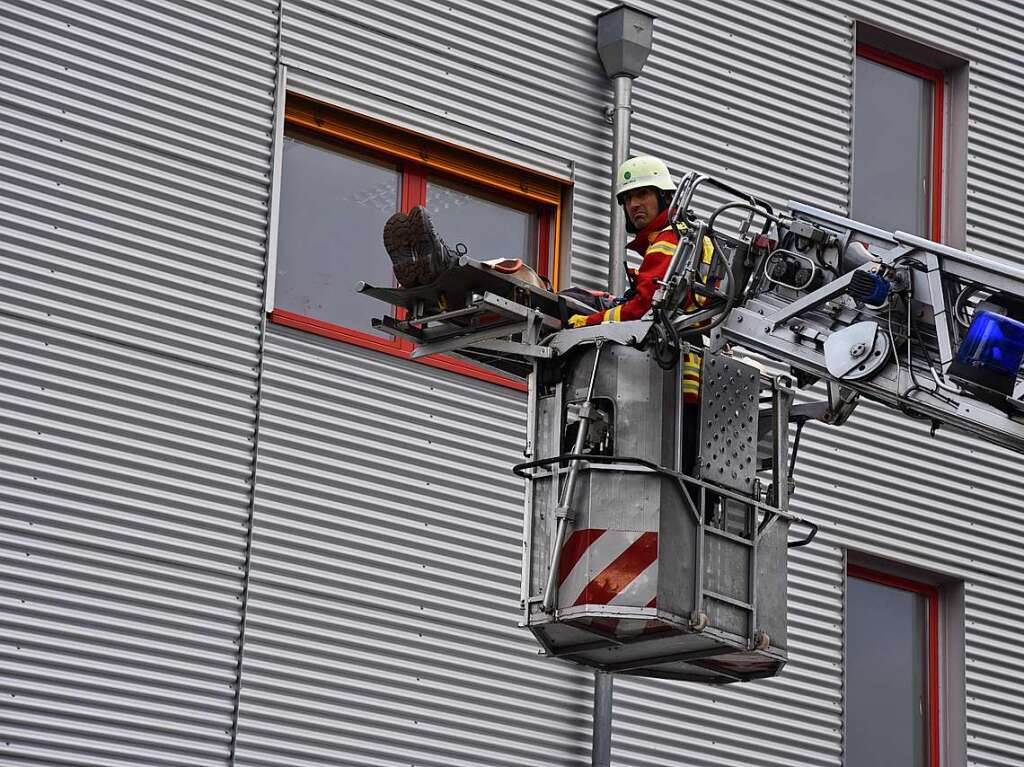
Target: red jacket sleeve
[652, 269]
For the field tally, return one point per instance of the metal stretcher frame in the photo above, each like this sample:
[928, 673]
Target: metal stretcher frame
[485, 315]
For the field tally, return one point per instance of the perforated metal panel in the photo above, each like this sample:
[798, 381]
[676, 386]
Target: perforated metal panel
[728, 422]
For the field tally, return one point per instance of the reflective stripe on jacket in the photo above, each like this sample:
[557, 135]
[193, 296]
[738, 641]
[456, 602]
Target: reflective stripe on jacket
[691, 377]
[657, 242]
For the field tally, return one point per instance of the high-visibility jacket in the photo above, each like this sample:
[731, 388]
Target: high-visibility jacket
[657, 243]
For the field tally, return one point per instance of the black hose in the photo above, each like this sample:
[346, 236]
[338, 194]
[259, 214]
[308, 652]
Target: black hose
[800, 421]
[819, 254]
[749, 198]
[665, 342]
[912, 328]
[804, 541]
[730, 205]
[730, 296]
[520, 468]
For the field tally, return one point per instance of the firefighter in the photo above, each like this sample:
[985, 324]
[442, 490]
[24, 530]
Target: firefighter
[644, 189]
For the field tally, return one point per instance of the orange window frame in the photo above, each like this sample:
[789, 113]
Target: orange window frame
[417, 158]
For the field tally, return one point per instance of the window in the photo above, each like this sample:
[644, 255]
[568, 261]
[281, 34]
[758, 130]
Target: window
[343, 175]
[333, 208]
[897, 143]
[489, 227]
[892, 671]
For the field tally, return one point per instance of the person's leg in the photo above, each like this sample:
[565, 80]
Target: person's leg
[595, 300]
[688, 448]
[417, 254]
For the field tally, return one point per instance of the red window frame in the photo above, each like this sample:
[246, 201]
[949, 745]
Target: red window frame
[931, 595]
[938, 80]
[417, 158]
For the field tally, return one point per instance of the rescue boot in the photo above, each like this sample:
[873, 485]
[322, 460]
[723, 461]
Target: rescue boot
[418, 255]
[404, 261]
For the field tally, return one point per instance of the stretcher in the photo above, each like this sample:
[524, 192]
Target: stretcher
[477, 312]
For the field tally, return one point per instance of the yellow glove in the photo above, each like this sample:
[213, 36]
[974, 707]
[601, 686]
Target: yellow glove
[578, 320]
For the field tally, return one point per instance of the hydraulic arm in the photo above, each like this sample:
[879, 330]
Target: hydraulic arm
[916, 325]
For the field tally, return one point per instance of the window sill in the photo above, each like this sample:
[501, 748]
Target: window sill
[394, 348]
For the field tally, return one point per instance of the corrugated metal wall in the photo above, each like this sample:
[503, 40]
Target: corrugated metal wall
[133, 157]
[384, 587]
[133, 177]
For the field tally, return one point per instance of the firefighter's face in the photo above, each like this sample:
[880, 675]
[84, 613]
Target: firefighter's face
[641, 205]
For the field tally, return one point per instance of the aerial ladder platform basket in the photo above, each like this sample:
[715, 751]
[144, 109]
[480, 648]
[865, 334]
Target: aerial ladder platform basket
[632, 566]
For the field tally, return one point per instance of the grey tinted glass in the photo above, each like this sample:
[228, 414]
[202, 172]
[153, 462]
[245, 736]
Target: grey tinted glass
[333, 209]
[886, 668]
[488, 229]
[891, 147]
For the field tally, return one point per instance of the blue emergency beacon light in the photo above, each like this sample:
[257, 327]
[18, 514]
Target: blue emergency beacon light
[991, 354]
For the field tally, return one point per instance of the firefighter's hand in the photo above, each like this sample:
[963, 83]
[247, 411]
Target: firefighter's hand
[577, 320]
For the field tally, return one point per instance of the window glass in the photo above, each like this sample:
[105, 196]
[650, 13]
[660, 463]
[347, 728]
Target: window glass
[488, 228]
[333, 209]
[891, 148]
[886, 673]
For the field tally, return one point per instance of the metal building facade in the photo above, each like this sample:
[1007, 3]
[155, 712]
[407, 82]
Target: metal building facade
[135, 142]
[382, 579]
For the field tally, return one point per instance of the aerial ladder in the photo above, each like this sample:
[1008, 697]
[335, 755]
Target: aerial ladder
[656, 536]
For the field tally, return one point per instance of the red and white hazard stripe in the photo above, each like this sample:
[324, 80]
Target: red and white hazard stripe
[611, 567]
[608, 567]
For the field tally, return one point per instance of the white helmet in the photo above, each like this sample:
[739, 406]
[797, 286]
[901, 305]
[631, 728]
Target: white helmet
[637, 172]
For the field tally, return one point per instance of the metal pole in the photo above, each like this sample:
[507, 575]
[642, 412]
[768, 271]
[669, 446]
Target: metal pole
[601, 751]
[620, 113]
[564, 512]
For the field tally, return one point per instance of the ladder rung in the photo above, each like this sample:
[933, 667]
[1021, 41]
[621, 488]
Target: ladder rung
[728, 600]
[730, 536]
